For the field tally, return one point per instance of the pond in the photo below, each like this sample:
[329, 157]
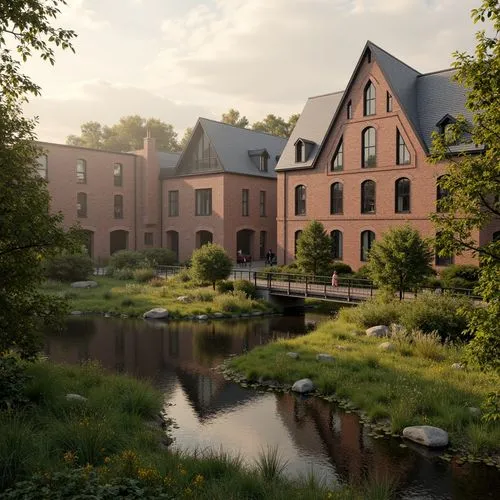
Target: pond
[312, 435]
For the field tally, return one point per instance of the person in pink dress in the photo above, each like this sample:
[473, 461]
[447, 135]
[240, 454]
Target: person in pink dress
[335, 280]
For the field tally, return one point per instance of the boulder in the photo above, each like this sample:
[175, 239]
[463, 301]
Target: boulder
[426, 435]
[76, 313]
[386, 346]
[293, 355]
[156, 313]
[219, 315]
[378, 331]
[325, 358]
[202, 317]
[474, 412]
[84, 284]
[303, 385]
[76, 397]
[257, 313]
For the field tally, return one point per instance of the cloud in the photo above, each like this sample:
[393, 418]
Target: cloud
[79, 15]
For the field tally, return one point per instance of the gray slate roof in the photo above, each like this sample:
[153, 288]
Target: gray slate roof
[425, 99]
[168, 160]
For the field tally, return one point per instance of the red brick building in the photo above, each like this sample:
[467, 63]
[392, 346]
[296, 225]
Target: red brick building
[357, 160]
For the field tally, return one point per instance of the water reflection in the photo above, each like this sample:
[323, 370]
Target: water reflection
[212, 412]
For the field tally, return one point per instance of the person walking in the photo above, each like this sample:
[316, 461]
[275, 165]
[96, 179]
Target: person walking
[335, 279]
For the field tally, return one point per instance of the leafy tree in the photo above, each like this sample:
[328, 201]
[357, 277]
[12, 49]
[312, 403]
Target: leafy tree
[233, 117]
[473, 181]
[292, 121]
[400, 260]
[28, 232]
[276, 125]
[185, 138]
[210, 263]
[91, 136]
[314, 249]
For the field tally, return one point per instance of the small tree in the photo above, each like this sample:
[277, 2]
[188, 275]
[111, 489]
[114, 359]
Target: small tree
[210, 263]
[314, 249]
[400, 260]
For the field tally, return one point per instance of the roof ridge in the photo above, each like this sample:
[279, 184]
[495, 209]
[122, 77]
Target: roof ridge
[328, 93]
[437, 71]
[369, 42]
[109, 151]
[241, 128]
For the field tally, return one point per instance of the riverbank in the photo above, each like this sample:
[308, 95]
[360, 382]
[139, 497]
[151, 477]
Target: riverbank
[408, 384]
[182, 299]
[79, 431]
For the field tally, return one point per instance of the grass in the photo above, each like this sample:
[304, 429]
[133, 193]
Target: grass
[129, 297]
[411, 385]
[98, 447]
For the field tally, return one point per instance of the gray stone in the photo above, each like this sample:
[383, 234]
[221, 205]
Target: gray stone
[202, 317]
[426, 435]
[303, 385]
[219, 315]
[386, 346]
[245, 315]
[458, 366]
[474, 412]
[293, 355]
[325, 358]
[378, 331]
[76, 397]
[257, 313]
[84, 284]
[76, 313]
[107, 315]
[183, 298]
[156, 313]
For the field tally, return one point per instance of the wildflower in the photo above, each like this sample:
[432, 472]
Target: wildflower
[70, 457]
[107, 460]
[188, 491]
[198, 480]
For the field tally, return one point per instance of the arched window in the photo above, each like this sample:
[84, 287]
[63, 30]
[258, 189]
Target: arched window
[118, 206]
[369, 149]
[338, 158]
[337, 242]
[368, 197]
[402, 154]
[81, 171]
[367, 239]
[81, 204]
[402, 190]
[298, 234]
[300, 200]
[441, 193]
[369, 99]
[299, 152]
[336, 198]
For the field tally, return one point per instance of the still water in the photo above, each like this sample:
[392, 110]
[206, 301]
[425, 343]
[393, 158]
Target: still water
[312, 435]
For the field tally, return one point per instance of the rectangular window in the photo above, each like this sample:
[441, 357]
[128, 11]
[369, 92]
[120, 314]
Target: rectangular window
[148, 239]
[244, 202]
[262, 204]
[173, 203]
[389, 102]
[349, 110]
[81, 205]
[41, 166]
[118, 174]
[118, 206]
[203, 201]
[263, 163]
[81, 171]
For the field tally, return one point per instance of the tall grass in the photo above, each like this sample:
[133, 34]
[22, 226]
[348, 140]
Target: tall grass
[270, 463]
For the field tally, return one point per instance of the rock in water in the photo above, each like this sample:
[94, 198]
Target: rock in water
[156, 313]
[303, 385]
[426, 435]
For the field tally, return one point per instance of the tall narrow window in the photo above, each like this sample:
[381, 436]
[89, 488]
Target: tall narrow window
[81, 172]
[118, 174]
[41, 166]
[441, 193]
[336, 198]
[118, 206]
[368, 197]
[173, 203]
[338, 158]
[298, 234]
[300, 200]
[203, 202]
[369, 100]
[262, 244]
[442, 259]
[402, 153]
[299, 152]
[367, 239]
[349, 110]
[369, 148]
[402, 190]
[148, 239]
[263, 162]
[388, 102]
[81, 204]
[337, 238]
[244, 202]
[262, 203]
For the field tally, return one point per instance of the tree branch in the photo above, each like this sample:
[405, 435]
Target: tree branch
[26, 247]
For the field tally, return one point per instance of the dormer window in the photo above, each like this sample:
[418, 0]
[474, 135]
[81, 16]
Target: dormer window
[299, 152]
[263, 162]
[260, 158]
[369, 99]
[444, 124]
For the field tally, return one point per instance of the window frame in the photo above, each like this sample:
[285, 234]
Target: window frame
[173, 203]
[118, 179]
[349, 110]
[368, 160]
[402, 151]
[81, 213]
[148, 238]
[337, 163]
[300, 151]
[203, 207]
[337, 245]
[365, 251]
[401, 195]
[245, 202]
[45, 167]
[365, 201]
[262, 204]
[369, 99]
[297, 235]
[440, 194]
[388, 102]
[118, 208]
[336, 202]
[263, 163]
[81, 174]
[300, 200]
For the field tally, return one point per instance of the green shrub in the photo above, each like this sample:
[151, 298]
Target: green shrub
[202, 296]
[69, 267]
[460, 276]
[12, 383]
[246, 287]
[159, 257]
[107, 295]
[233, 302]
[127, 302]
[432, 282]
[340, 267]
[123, 274]
[144, 275]
[443, 314]
[362, 273]
[210, 263]
[157, 282]
[428, 345]
[224, 286]
[126, 259]
[372, 313]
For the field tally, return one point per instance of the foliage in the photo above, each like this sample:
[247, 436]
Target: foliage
[276, 125]
[224, 286]
[69, 267]
[313, 249]
[472, 182]
[247, 287]
[186, 138]
[159, 256]
[124, 274]
[235, 302]
[363, 272]
[491, 408]
[372, 313]
[233, 117]
[460, 276]
[340, 267]
[271, 464]
[29, 232]
[126, 259]
[427, 345]
[126, 135]
[210, 263]
[12, 381]
[144, 274]
[400, 260]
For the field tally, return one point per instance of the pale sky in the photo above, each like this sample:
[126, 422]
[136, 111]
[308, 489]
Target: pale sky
[177, 60]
